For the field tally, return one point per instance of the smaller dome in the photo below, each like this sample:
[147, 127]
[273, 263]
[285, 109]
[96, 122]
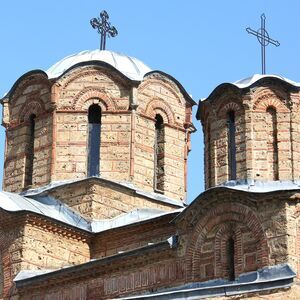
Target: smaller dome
[131, 67]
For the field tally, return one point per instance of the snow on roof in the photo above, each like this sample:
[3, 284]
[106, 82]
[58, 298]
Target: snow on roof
[129, 185]
[247, 82]
[55, 209]
[259, 186]
[244, 83]
[47, 206]
[131, 67]
[268, 278]
[25, 274]
[134, 216]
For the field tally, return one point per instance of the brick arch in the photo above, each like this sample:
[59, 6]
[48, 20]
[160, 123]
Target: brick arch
[89, 96]
[233, 213]
[224, 108]
[269, 99]
[32, 107]
[158, 106]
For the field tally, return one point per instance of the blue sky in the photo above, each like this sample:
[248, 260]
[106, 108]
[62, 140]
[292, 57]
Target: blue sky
[200, 43]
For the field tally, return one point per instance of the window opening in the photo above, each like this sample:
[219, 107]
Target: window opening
[230, 258]
[231, 145]
[272, 143]
[208, 162]
[94, 119]
[30, 151]
[159, 154]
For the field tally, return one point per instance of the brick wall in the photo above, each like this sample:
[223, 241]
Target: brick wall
[127, 129]
[261, 226]
[131, 237]
[159, 96]
[43, 249]
[141, 275]
[99, 199]
[31, 96]
[11, 241]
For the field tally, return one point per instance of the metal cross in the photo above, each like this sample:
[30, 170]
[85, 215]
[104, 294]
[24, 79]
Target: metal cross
[104, 28]
[264, 40]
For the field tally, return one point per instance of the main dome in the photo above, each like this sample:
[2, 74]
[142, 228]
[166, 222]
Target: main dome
[129, 66]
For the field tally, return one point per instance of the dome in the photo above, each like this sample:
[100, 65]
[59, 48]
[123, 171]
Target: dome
[244, 83]
[131, 67]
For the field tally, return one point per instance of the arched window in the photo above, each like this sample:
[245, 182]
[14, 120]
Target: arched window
[30, 152]
[230, 258]
[272, 143]
[159, 150]
[94, 118]
[231, 145]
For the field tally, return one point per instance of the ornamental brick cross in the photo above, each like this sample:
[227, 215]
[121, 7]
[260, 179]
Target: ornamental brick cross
[264, 40]
[104, 28]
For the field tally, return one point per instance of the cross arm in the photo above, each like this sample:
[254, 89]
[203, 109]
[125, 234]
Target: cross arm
[95, 23]
[259, 35]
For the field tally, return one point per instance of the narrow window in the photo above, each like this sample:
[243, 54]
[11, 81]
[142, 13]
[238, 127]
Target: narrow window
[94, 118]
[159, 154]
[231, 146]
[208, 163]
[230, 258]
[30, 152]
[272, 143]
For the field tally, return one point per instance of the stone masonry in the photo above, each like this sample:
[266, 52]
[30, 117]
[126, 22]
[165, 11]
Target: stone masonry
[226, 232]
[127, 128]
[257, 157]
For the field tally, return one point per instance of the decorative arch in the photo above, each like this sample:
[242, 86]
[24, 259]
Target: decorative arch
[34, 107]
[89, 96]
[268, 98]
[218, 216]
[223, 108]
[160, 107]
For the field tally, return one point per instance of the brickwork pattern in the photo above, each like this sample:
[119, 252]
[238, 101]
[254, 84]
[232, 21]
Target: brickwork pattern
[131, 237]
[31, 96]
[257, 224]
[256, 133]
[97, 199]
[43, 249]
[127, 129]
[11, 241]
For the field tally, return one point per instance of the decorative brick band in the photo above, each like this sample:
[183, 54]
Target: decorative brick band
[89, 96]
[33, 107]
[224, 108]
[215, 219]
[267, 99]
[158, 106]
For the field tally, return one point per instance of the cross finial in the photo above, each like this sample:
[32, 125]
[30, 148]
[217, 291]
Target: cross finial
[104, 28]
[264, 40]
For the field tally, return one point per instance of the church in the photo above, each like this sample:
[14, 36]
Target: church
[95, 179]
